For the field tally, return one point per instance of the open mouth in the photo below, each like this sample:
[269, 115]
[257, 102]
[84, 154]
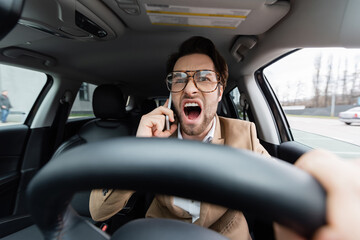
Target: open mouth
[192, 110]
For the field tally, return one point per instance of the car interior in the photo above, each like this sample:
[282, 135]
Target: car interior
[50, 162]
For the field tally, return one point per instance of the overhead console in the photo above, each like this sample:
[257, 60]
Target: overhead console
[106, 19]
[86, 20]
[240, 17]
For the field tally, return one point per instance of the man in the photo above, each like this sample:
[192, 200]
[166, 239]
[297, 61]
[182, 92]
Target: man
[197, 76]
[5, 105]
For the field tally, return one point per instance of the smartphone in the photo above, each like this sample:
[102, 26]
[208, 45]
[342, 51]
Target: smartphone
[167, 121]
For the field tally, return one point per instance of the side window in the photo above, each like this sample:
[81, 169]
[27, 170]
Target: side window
[319, 90]
[240, 103]
[82, 106]
[19, 89]
[84, 92]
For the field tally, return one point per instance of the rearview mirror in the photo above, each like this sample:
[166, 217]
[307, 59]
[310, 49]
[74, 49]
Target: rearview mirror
[10, 11]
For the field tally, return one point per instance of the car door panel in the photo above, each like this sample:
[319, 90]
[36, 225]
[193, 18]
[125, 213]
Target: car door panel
[37, 152]
[12, 141]
[290, 151]
[23, 151]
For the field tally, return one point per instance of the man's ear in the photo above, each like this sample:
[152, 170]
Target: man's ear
[220, 92]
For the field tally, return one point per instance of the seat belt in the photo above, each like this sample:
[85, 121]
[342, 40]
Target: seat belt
[244, 104]
[60, 118]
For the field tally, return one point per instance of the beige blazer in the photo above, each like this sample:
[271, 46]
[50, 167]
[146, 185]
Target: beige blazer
[231, 223]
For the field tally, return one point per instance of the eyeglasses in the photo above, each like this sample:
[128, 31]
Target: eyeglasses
[205, 80]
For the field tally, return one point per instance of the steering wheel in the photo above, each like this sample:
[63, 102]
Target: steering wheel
[237, 179]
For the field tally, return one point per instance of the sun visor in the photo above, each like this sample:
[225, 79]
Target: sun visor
[86, 20]
[240, 17]
[350, 32]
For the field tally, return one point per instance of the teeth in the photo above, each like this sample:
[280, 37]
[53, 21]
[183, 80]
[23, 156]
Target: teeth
[191, 105]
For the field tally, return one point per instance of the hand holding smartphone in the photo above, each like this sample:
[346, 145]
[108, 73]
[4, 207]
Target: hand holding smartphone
[150, 123]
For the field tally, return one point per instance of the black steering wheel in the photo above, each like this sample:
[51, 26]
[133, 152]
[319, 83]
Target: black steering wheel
[233, 178]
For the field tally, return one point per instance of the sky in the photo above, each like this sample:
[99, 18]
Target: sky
[292, 76]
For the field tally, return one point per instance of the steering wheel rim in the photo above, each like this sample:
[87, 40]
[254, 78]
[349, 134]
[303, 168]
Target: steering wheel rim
[233, 178]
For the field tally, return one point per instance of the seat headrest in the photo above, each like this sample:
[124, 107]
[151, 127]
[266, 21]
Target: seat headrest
[108, 102]
[147, 106]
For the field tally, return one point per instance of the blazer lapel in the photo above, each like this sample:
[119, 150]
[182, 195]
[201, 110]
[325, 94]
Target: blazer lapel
[209, 214]
[218, 135]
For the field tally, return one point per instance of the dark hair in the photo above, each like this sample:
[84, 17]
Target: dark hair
[201, 45]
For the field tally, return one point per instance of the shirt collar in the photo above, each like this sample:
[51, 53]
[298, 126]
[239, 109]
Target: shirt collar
[208, 138]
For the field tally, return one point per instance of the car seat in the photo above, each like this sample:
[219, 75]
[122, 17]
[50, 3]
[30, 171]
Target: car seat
[111, 121]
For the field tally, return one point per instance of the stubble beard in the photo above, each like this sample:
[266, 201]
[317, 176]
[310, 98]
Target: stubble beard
[192, 130]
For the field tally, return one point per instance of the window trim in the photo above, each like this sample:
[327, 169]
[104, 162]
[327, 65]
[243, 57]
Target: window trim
[282, 124]
[40, 98]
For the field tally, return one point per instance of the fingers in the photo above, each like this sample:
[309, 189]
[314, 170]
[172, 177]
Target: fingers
[166, 103]
[162, 110]
[166, 133]
[341, 182]
[152, 124]
[320, 164]
[356, 162]
[327, 168]
[327, 233]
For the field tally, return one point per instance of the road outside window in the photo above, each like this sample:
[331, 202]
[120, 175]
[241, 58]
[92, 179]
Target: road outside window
[19, 89]
[314, 87]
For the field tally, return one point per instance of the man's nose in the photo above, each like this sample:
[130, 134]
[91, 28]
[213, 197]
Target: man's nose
[190, 86]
